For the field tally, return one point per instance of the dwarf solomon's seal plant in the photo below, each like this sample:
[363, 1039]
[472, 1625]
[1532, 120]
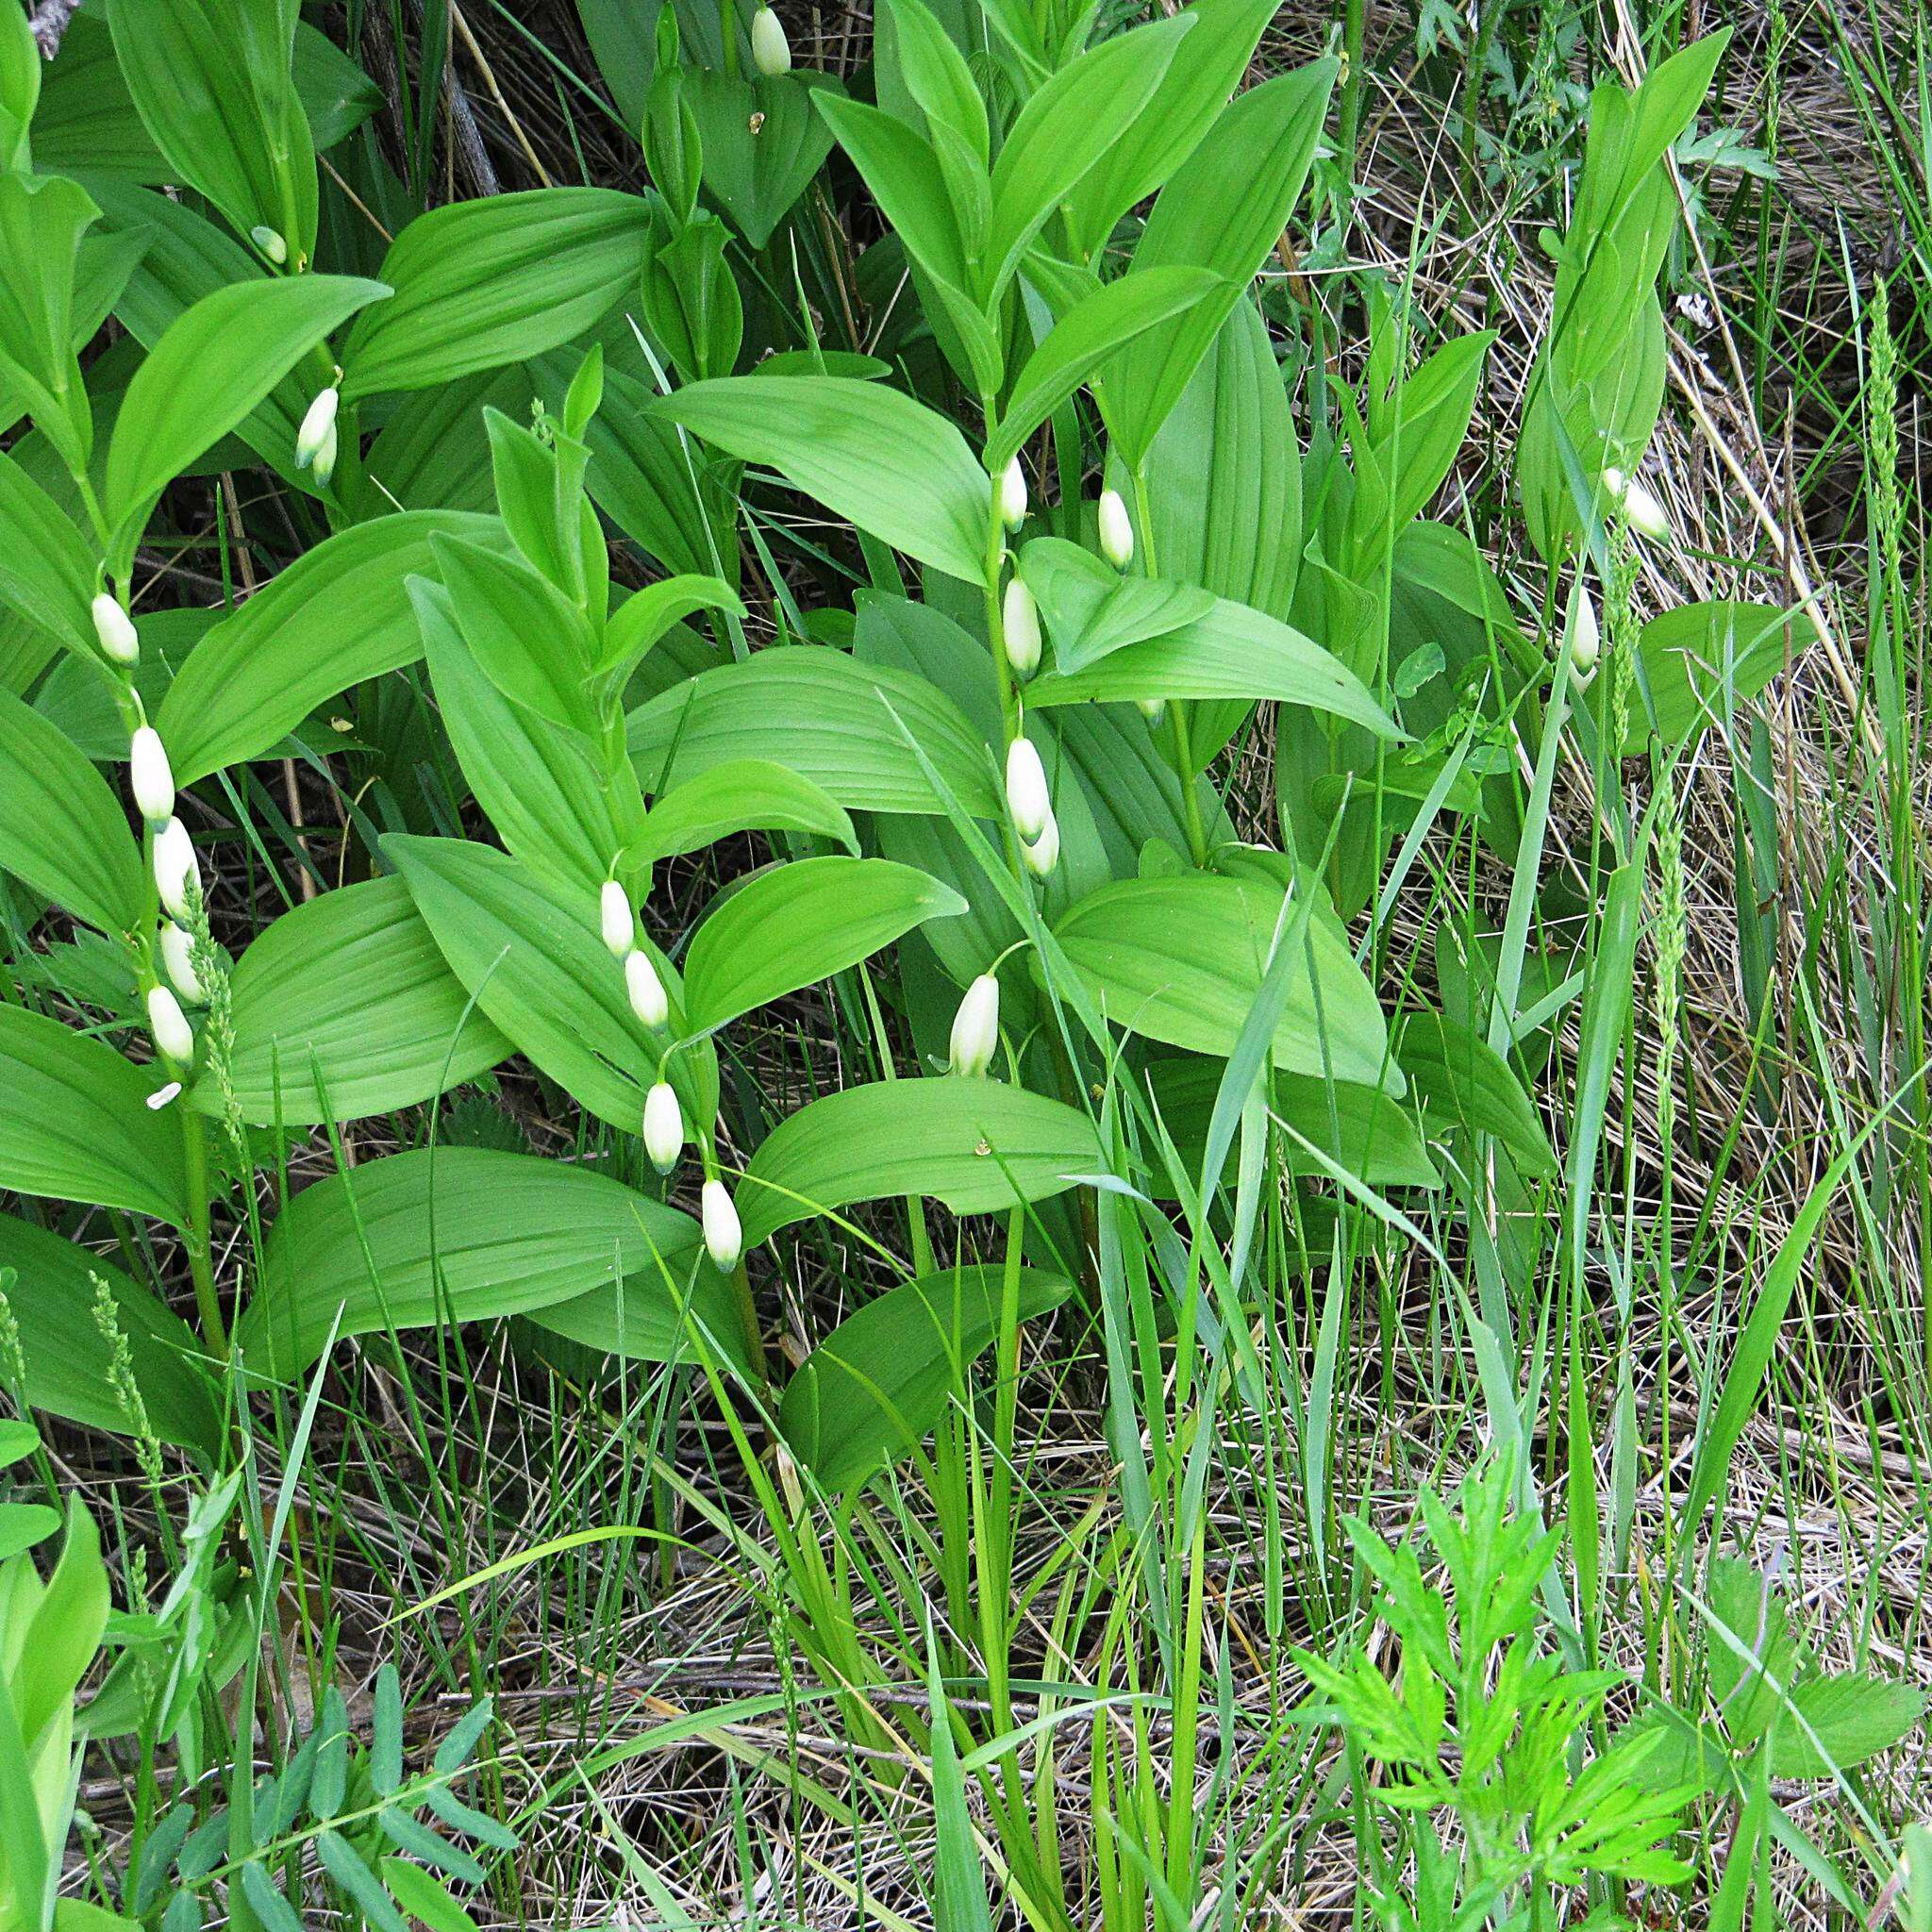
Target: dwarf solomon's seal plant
[605, 535]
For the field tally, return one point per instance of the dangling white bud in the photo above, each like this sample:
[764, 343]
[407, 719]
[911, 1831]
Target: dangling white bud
[1043, 854]
[1585, 640]
[1153, 709]
[1013, 495]
[115, 629]
[976, 1026]
[620, 926]
[149, 775]
[648, 1000]
[325, 468]
[724, 1237]
[1027, 798]
[1639, 509]
[770, 52]
[663, 1127]
[177, 957]
[318, 425]
[177, 872]
[1116, 530]
[1019, 621]
[172, 1035]
[271, 245]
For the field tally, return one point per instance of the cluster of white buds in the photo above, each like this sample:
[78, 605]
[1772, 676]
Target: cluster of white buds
[316, 446]
[1013, 495]
[177, 872]
[723, 1236]
[1116, 530]
[150, 777]
[173, 1036]
[115, 629]
[1031, 806]
[1636, 505]
[976, 1027]
[1020, 622]
[770, 52]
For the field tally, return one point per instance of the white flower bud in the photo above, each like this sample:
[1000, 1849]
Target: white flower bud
[663, 1127]
[150, 777]
[318, 425]
[1116, 530]
[115, 629]
[770, 52]
[172, 1035]
[1585, 640]
[1043, 854]
[162, 1096]
[1153, 709]
[1020, 620]
[648, 1000]
[1639, 509]
[177, 872]
[619, 927]
[271, 245]
[177, 957]
[1013, 495]
[976, 1026]
[1027, 797]
[724, 1237]
[326, 459]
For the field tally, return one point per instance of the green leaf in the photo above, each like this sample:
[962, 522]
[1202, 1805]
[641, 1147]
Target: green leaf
[1180, 959]
[424, 1897]
[471, 1234]
[262, 670]
[532, 954]
[644, 616]
[1429, 419]
[481, 283]
[827, 718]
[528, 638]
[871, 455]
[906, 181]
[68, 1358]
[47, 571]
[799, 923]
[63, 832]
[1205, 69]
[42, 220]
[1460, 1077]
[740, 795]
[77, 1125]
[877, 1385]
[20, 91]
[1699, 661]
[539, 782]
[762, 142]
[1224, 211]
[1093, 332]
[975, 1146]
[1062, 131]
[201, 380]
[935, 73]
[1854, 1717]
[346, 1008]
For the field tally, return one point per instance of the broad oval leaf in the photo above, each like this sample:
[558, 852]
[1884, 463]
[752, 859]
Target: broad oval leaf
[1702, 660]
[77, 1125]
[215, 363]
[836, 721]
[1180, 959]
[468, 1232]
[762, 141]
[975, 1146]
[740, 795]
[481, 283]
[264, 668]
[799, 923]
[63, 832]
[877, 1385]
[870, 455]
[346, 1006]
[69, 1362]
[1461, 1078]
